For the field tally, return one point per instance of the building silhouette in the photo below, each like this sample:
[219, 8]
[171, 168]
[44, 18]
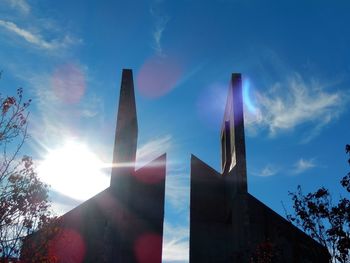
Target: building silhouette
[227, 224]
[123, 223]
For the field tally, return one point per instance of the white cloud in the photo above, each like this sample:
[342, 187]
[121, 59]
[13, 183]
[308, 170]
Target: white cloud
[175, 243]
[160, 24]
[157, 35]
[61, 203]
[153, 149]
[268, 170]
[300, 166]
[20, 5]
[92, 106]
[37, 39]
[177, 181]
[54, 119]
[59, 209]
[177, 190]
[295, 102]
[303, 165]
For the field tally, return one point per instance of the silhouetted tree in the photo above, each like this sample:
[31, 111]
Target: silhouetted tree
[323, 220]
[23, 197]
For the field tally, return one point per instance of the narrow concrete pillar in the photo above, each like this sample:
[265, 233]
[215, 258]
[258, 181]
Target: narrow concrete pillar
[232, 137]
[125, 145]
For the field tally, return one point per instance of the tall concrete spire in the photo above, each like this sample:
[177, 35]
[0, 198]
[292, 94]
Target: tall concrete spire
[125, 145]
[232, 135]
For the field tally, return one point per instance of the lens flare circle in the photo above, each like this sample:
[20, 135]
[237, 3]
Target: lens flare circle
[246, 97]
[67, 246]
[158, 76]
[211, 105]
[148, 248]
[68, 83]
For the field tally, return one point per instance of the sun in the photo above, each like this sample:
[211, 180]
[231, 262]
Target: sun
[74, 170]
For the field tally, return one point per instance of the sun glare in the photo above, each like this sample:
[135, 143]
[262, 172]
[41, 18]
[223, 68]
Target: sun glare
[74, 170]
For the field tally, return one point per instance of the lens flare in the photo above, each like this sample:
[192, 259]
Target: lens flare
[67, 246]
[152, 173]
[158, 76]
[211, 105]
[246, 96]
[148, 248]
[68, 83]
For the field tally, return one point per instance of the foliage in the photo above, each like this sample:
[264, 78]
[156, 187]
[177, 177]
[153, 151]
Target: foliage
[38, 246]
[23, 197]
[265, 252]
[324, 221]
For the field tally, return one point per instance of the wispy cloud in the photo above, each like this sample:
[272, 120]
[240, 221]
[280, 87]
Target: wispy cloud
[268, 170]
[50, 93]
[302, 165]
[63, 199]
[53, 118]
[20, 5]
[298, 167]
[295, 102]
[175, 243]
[177, 181]
[177, 190]
[161, 21]
[157, 35]
[153, 149]
[92, 106]
[37, 39]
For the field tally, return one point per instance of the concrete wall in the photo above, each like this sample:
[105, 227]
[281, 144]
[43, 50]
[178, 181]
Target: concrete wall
[210, 223]
[226, 227]
[290, 244]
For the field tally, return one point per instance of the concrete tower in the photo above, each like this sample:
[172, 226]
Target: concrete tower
[227, 224]
[125, 145]
[233, 156]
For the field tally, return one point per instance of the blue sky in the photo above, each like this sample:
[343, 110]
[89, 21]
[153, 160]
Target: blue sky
[294, 57]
